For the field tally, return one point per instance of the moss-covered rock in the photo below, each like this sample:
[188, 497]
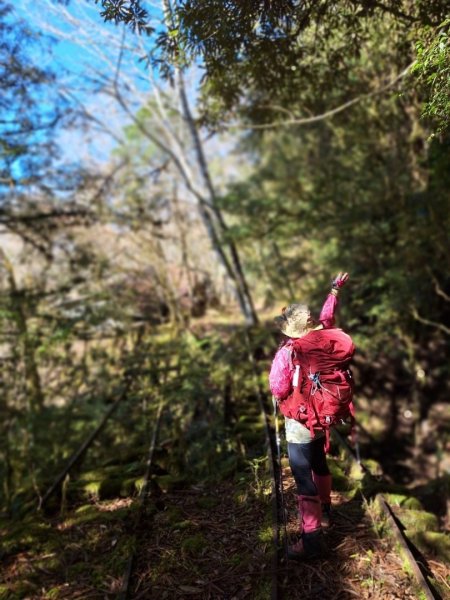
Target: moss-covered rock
[169, 483]
[417, 520]
[403, 501]
[100, 489]
[431, 542]
[340, 480]
[373, 467]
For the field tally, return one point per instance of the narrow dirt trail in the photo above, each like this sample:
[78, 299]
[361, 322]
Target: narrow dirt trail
[360, 564]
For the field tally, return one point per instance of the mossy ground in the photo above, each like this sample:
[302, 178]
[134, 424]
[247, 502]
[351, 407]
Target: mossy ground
[207, 529]
[61, 557]
[208, 540]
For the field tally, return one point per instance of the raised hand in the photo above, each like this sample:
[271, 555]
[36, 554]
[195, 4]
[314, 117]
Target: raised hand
[339, 281]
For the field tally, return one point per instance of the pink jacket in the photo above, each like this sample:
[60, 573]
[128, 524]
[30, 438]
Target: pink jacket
[281, 372]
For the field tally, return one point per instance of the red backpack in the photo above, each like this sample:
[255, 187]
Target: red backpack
[322, 386]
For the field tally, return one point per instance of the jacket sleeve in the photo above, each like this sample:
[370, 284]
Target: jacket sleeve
[328, 311]
[280, 377]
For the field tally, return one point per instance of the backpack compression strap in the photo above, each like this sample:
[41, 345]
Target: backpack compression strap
[315, 386]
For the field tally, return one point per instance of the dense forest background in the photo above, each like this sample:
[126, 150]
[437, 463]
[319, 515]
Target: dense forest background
[173, 172]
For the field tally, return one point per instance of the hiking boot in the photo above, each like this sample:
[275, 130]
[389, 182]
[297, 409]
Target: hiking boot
[310, 545]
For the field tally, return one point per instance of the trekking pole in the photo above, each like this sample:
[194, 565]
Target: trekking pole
[355, 440]
[280, 482]
[356, 444]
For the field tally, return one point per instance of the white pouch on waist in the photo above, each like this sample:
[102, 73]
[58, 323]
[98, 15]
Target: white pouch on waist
[296, 376]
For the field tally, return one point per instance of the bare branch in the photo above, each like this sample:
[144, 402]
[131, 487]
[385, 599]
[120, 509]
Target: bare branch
[437, 288]
[327, 114]
[9, 218]
[439, 326]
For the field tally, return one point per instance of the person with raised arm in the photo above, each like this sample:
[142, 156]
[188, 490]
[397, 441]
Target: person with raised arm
[312, 384]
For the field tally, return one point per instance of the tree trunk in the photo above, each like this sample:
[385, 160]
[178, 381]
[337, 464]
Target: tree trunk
[209, 208]
[185, 261]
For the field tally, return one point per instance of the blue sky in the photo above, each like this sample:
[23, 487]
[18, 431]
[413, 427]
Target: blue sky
[77, 54]
[69, 54]
[84, 55]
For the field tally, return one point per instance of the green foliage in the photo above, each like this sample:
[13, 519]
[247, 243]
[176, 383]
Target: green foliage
[262, 61]
[403, 501]
[432, 71]
[367, 193]
[129, 12]
[266, 535]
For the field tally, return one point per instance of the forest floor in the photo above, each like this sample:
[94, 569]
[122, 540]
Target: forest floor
[225, 552]
[206, 530]
[209, 542]
[363, 561]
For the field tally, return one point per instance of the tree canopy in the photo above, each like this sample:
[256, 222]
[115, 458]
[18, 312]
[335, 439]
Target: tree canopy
[266, 60]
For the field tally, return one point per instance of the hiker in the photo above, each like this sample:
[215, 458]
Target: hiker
[310, 381]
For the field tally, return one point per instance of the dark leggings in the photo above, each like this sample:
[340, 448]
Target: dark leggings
[304, 459]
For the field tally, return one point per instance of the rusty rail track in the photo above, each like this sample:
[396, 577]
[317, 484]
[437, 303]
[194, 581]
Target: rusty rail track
[128, 573]
[426, 588]
[272, 443]
[78, 455]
